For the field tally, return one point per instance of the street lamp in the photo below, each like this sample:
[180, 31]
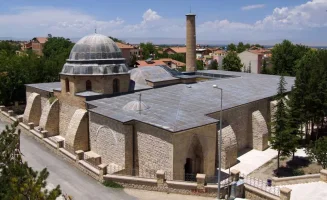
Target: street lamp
[220, 137]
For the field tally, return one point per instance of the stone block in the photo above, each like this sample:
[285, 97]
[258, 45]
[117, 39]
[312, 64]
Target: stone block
[260, 131]
[11, 113]
[20, 118]
[79, 155]
[323, 175]
[60, 144]
[44, 134]
[235, 174]
[160, 176]
[2, 108]
[285, 193]
[102, 170]
[31, 125]
[201, 181]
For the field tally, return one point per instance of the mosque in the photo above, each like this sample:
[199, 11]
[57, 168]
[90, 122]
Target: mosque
[151, 118]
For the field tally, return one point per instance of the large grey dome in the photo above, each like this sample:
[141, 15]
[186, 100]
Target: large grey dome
[95, 54]
[94, 47]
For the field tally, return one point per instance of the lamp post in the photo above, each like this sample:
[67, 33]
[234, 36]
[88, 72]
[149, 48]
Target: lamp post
[220, 137]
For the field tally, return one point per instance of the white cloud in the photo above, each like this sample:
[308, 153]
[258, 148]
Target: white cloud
[150, 15]
[282, 22]
[251, 7]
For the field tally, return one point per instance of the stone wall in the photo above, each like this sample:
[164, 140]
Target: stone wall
[295, 179]
[184, 148]
[229, 147]
[68, 104]
[45, 95]
[77, 131]
[260, 131]
[257, 194]
[33, 109]
[112, 140]
[101, 84]
[154, 148]
[50, 118]
[240, 119]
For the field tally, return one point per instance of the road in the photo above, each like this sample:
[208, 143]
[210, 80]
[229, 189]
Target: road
[77, 184]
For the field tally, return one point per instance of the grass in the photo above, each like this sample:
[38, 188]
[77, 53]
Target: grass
[112, 184]
[52, 99]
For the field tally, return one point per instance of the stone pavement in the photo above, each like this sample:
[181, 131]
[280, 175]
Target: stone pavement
[252, 160]
[306, 191]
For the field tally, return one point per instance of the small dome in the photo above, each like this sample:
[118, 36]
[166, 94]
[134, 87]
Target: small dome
[135, 105]
[95, 47]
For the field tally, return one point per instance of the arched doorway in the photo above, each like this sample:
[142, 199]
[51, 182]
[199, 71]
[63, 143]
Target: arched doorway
[194, 160]
[115, 86]
[88, 85]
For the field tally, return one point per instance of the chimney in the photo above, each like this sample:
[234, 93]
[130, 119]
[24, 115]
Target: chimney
[190, 43]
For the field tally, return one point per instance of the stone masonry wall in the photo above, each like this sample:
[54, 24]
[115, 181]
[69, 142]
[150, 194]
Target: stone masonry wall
[154, 148]
[50, 118]
[44, 94]
[111, 140]
[68, 104]
[240, 119]
[260, 131]
[229, 147]
[33, 109]
[77, 132]
[207, 136]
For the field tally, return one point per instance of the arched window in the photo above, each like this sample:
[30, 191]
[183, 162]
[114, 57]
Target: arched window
[67, 84]
[115, 85]
[88, 85]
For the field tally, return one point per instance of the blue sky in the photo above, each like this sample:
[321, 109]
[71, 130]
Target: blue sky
[265, 21]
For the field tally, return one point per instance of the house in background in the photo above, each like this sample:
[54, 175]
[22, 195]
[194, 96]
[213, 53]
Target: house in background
[175, 50]
[36, 45]
[128, 51]
[171, 63]
[251, 60]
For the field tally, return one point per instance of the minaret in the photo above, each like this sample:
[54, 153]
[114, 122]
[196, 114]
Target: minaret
[190, 43]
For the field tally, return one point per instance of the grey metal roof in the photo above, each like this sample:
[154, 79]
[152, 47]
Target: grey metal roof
[178, 107]
[95, 47]
[45, 86]
[88, 93]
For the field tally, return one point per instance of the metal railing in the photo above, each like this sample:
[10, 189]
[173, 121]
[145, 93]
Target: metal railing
[260, 184]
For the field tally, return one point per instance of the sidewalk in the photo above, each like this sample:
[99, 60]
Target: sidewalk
[252, 160]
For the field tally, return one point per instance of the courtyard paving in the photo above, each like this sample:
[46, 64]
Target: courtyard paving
[305, 191]
[252, 160]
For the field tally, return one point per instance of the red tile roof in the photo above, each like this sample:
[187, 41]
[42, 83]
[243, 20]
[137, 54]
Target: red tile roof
[124, 46]
[143, 63]
[41, 40]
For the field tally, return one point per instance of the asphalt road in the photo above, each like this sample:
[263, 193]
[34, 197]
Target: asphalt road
[71, 180]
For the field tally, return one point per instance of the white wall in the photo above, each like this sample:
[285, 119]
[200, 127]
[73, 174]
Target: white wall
[247, 57]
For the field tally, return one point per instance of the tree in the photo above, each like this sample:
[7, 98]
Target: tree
[281, 139]
[318, 151]
[214, 64]
[17, 179]
[199, 65]
[149, 50]
[264, 67]
[240, 47]
[247, 46]
[285, 57]
[133, 60]
[232, 62]
[116, 39]
[231, 47]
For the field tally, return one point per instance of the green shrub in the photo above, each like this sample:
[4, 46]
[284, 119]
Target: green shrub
[112, 184]
[298, 172]
[52, 99]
